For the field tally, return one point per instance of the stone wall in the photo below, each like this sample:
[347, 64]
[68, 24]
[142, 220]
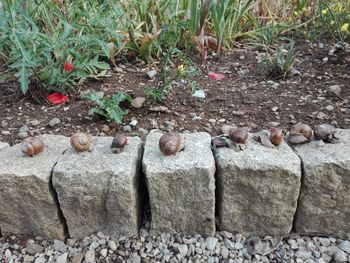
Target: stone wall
[258, 191]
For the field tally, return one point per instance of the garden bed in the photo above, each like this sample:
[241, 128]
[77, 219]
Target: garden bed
[245, 97]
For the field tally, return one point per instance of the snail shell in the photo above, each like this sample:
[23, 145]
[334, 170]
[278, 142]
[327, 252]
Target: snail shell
[276, 136]
[239, 135]
[170, 143]
[301, 128]
[32, 146]
[324, 132]
[81, 142]
[119, 142]
[264, 138]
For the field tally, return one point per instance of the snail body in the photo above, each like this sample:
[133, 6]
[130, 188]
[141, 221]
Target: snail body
[299, 133]
[170, 143]
[119, 142]
[81, 142]
[270, 138]
[32, 146]
[239, 137]
[324, 132]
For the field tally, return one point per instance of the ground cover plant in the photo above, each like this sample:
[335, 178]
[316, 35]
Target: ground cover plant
[71, 46]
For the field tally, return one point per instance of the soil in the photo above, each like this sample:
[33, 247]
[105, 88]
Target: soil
[245, 97]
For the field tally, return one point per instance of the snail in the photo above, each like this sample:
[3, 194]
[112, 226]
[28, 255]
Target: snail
[32, 146]
[324, 132]
[119, 142]
[81, 142]
[270, 138]
[170, 143]
[239, 137]
[299, 133]
[217, 142]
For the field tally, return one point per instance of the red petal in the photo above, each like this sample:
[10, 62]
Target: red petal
[216, 76]
[57, 98]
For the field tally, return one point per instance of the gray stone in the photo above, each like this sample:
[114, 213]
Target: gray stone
[334, 89]
[138, 102]
[258, 188]
[152, 73]
[59, 246]
[33, 249]
[183, 249]
[211, 243]
[134, 259]
[324, 241]
[89, 256]
[27, 205]
[28, 258]
[340, 256]
[127, 128]
[104, 252]
[99, 190]
[78, 258]
[112, 245]
[323, 206]
[40, 260]
[54, 122]
[23, 135]
[181, 187]
[224, 252]
[4, 145]
[62, 258]
[345, 246]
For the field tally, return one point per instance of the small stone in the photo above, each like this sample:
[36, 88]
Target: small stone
[211, 243]
[345, 246]
[23, 135]
[340, 256]
[8, 253]
[151, 74]
[160, 109]
[325, 60]
[274, 109]
[212, 121]
[224, 252]
[104, 252]
[238, 246]
[34, 123]
[112, 245]
[293, 244]
[24, 128]
[134, 259]
[324, 241]
[334, 89]
[59, 246]
[54, 122]
[199, 94]
[274, 123]
[28, 258]
[33, 249]
[78, 258]
[133, 123]
[138, 102]
[304, 255]
[238, 113]
[183, 249]
[329, 108]
[118, 69]
[321, 115]
[40, 260]
[90, 256]
[127, 128]
[105, 128]
[62, 258]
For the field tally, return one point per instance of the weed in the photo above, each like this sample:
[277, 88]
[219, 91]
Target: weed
[280, 63]
[110, 108]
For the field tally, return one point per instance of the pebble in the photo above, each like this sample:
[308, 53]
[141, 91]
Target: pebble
[133, 123]
[34, 123]
[138, 102]
[340, 256]
[324, 241]
[200, 94]
[23, 135]
[321, 115]
[127, 128]
[59, 246]
[54, 122]
[345, 246]
[334, 89]
[151, 74]
[62, 258]
[211, 242]
[104, 252]
[78, 258]
[90, 256]
[40, 260]
[183, 249]
[112, 245]
[28, 258]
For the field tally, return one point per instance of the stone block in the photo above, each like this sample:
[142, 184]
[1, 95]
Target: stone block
[324, 203]
[27, 205]
[258, 188]
[181, 187]
[4, 145]
[99, 190]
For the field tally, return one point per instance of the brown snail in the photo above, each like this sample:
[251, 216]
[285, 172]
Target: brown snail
[299, 133]
[324, 132]
[239, 137]
[270, 138]
[81, 142]
[170, 143]
[119, 142]
[32, 146]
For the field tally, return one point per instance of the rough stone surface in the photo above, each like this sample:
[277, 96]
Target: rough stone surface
[258, 188]
[4, 145]
[99, 190]
[181, 187]
[27, 205]
[324, 204]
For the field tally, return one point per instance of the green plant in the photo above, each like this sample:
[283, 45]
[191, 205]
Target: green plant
[110, 108]
[218, 14]
[280, 63]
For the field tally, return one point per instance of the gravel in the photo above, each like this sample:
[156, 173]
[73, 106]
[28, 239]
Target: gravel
[224, 247]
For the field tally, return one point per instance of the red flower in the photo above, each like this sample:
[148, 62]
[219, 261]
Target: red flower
[68, 66]
[57, 98]
[215, 76]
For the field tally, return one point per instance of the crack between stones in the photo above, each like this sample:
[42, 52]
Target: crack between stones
[218, 194]
[54, 195]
